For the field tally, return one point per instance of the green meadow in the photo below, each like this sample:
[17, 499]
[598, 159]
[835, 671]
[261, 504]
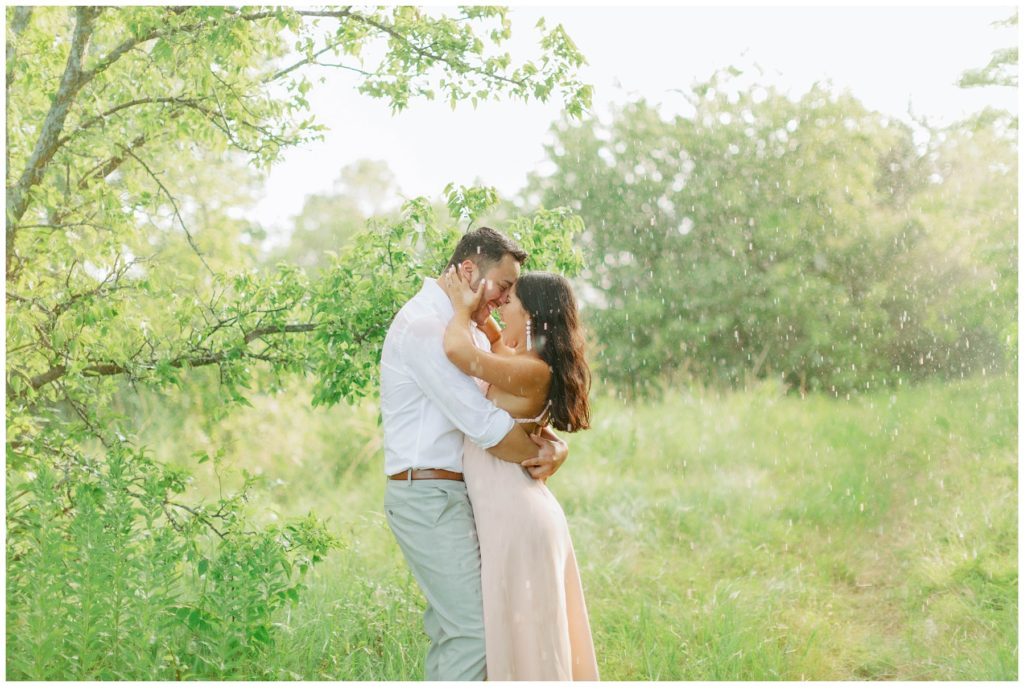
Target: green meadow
[749, 535]
[195, 314]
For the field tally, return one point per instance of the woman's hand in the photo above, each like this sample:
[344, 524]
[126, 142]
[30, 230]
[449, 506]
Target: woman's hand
[492, 330]
[464, 299]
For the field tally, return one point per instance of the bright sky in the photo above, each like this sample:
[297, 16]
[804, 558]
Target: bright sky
[889, 58]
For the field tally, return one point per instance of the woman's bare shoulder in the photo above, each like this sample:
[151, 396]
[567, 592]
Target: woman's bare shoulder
[521, 406]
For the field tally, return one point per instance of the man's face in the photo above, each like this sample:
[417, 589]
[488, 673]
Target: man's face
[500, 278]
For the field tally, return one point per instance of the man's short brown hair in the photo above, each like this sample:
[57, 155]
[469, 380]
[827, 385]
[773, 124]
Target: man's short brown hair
[486, 246]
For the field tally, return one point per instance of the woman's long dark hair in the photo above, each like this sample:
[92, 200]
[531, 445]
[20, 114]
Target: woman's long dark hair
[558, 339]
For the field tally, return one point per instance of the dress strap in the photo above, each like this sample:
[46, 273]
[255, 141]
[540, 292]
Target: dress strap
[543, 414]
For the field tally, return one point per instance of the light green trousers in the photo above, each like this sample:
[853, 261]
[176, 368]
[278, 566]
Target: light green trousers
[433, 522]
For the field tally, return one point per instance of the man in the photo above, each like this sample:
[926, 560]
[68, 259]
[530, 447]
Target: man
[428, 406]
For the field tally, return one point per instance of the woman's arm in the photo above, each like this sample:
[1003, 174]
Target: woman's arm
[517, 374]
[493, 331]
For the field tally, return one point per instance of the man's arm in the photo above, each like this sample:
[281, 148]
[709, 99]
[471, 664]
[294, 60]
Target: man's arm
[462, 402]
[456, 395]
[520, 447]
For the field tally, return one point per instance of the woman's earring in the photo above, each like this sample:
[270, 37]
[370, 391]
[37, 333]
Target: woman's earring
[529, 340]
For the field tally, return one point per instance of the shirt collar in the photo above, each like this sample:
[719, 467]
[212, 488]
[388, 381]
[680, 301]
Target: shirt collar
[437, 298]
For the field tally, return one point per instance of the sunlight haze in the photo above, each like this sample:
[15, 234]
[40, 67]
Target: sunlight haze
[889, 58]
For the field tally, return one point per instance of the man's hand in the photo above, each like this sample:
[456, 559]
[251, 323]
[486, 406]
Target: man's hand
[553, 452]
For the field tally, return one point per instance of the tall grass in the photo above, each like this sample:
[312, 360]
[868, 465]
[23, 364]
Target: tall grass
[738, 536]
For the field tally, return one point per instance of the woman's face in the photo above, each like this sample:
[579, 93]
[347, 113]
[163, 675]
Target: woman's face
[514, 315]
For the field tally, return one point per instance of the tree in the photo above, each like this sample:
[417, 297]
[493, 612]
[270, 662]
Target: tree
[119, 272]
[1001, 70]
[965, 267]
[762, 235]
[329, 220]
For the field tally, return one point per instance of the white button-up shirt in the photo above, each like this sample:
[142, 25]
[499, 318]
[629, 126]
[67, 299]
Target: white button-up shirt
[427, 404]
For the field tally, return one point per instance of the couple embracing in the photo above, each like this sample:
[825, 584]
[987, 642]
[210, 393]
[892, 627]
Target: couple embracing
[467, 450]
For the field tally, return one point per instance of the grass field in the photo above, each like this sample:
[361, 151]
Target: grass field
[738, 536]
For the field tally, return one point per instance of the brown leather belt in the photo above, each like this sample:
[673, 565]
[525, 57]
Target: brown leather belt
[428, 474]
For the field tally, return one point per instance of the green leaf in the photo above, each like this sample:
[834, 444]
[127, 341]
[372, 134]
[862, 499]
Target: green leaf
[162, 50]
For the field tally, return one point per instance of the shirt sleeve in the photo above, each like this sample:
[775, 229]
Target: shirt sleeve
[455, 393]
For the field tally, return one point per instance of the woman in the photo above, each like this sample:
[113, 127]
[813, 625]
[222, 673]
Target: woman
[535, 617]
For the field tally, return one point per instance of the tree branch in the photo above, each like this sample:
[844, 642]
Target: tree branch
[426, 53]
[344, 66]
[161, 32]
[74, 78]
[174, 204]
[18, 25]
[423, 52]
[307, 60]
[109, 368]
[92, 121]
[108, 166]
[71, 82]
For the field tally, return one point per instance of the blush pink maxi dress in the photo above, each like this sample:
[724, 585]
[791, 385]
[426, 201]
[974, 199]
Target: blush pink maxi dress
[535, 617]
